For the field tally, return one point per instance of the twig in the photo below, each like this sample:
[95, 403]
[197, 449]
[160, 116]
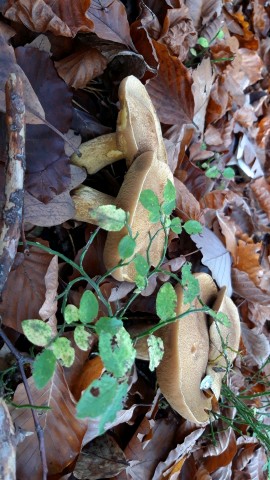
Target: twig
[15, 167]
[39, 430]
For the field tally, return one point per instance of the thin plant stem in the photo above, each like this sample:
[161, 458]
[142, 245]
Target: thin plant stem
[39, 430]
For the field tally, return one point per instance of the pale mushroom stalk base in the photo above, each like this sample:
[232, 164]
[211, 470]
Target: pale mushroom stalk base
[85, 199]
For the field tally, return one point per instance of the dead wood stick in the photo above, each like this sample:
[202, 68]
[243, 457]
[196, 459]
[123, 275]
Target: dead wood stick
[7, 444]
[15, 167]
[39, 430]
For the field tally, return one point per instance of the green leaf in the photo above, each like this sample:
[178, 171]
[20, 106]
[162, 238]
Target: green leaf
[63, 351]
[203, 42]
[88, 307]
[103, 398]
[189, 283]
[126, 247]
[176, 225]
[212, 172]
[220, 317]
[81, 338]
[192, 226]
[71, 314]
[109, 217]
[43, 368]
[229, 173]
[108, 325]
[117, 352]
[220, 35]
[169, 196]
[156, 351]
[150, 201]
[37, 332]
[141, 283]
[141, 265]
[166, 302]
[193, 52]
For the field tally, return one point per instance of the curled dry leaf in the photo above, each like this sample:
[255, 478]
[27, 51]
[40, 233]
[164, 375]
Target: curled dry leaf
[63, 18]
[247, 259]
[8, 64]
[257, 344]
[243, 286]
[202, 83]
[261, 189]
[177, 107]
[25, 288]
[202, 11]
[187, 207]
[49, 307]
[47, 168]
[110, 21]
[62, 447]
[222, 453]
[81, 67]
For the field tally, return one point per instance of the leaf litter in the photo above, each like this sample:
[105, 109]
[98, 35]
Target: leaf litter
[211, 99]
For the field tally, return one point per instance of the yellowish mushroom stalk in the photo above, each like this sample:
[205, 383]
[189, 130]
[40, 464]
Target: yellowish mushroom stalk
[85, 199]
[146, 172]
[138, 131]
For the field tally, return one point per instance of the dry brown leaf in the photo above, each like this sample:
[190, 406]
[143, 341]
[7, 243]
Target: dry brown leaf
[49, 307]
[218, 101]
[177, 107]
[63, 18]
[166, 467]
[178, 32]
[202, 83]
[258, 314]
[91, 371]
[101, 458]
[25, 288]
[187, 207]
[257, 344]
[80, 67]
[221, 454]
[263, 131]
[202, 11]
[81, 356]
[243, 286]
[261, 189]
[63, 432]
[247, 259]
[110, 21]
[61, 207]
[8, 64]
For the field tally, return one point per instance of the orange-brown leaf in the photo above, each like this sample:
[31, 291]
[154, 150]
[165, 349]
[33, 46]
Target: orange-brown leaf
[63, 432]
[177, 106]
[261, 189]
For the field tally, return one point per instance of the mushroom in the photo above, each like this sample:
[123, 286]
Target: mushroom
[186, 352]
[146, 172]
[138, 131]
[85, 199]
[220, 336]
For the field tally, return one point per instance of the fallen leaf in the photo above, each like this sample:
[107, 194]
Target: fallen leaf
[61, 18]
[92, 370]
[47, 167]
[247, 259]
[187, 207]
[59, 209]
[202, 83]
[49, 307]
[7, 65]
[256, 343]
[177, 107]
[243, 286]
[215, 257]
[63, 432]
[81, 67]
[102, 457]
[25, 288]
[261, 189]
[110, 21]
[222, 453]
[202, 11]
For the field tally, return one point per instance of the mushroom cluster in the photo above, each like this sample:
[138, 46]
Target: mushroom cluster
[138, 139]
[195, 347]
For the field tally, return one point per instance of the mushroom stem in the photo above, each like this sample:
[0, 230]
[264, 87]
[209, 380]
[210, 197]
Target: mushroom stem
[98, 153]
[85, 199]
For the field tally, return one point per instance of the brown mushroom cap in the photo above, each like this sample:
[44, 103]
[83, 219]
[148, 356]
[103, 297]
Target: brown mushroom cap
[145, 173]
[138, 131]
[138, 127]
[85, 199]
[219, 359]
[186, 350]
